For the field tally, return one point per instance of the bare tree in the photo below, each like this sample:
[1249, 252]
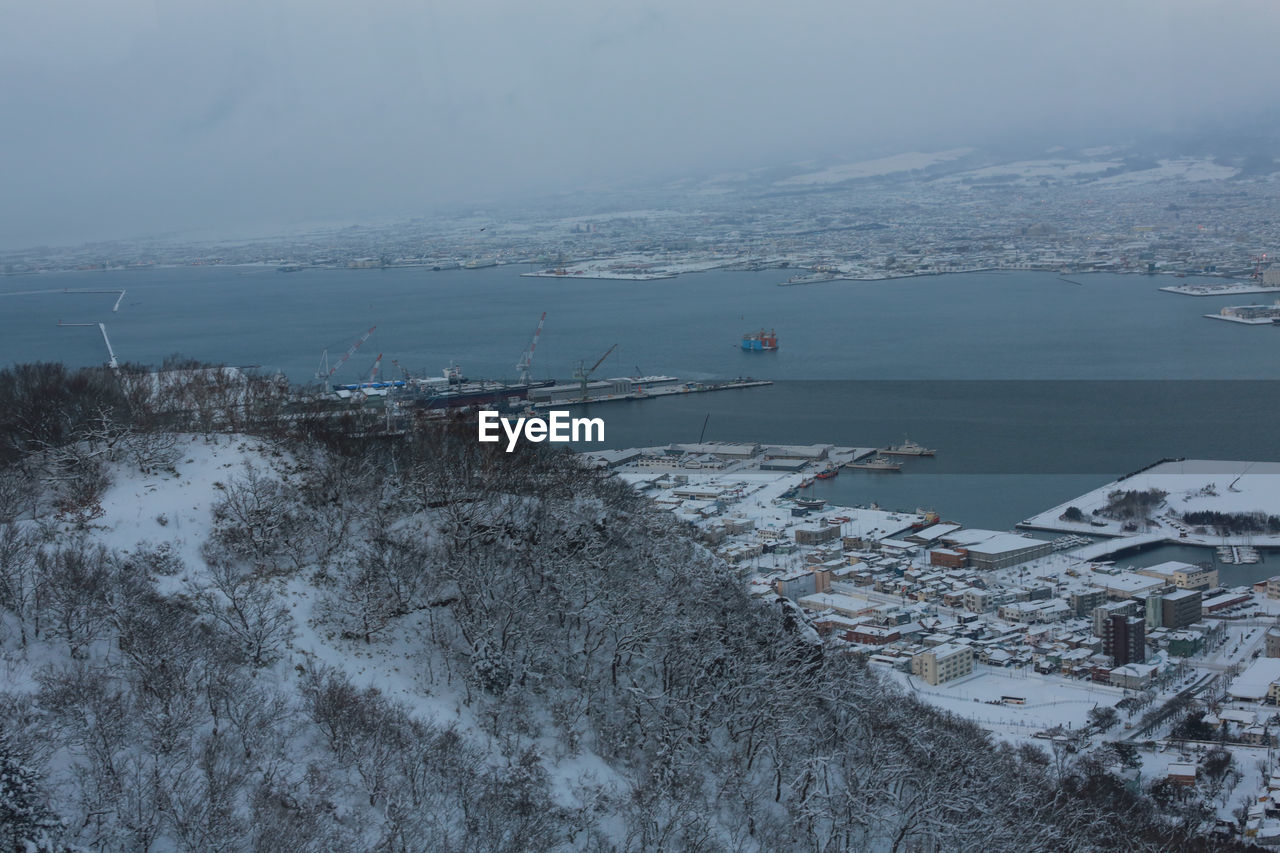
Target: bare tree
[254, 518]
[18, 562]
[73, 588]
[249, 608]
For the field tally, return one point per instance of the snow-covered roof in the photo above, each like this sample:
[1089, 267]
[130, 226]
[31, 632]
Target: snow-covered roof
[936, 531]
[1135, 670]
[1130, 582]
[1168, 568]
[947, 649]
[1004, 543]
[1255, 681]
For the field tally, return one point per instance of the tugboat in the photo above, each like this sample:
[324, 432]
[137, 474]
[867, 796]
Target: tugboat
[760, 341]
[908, 448]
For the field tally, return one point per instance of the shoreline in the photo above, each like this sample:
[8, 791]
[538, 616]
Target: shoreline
[731, 266]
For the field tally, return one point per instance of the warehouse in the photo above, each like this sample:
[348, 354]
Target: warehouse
[990, 550]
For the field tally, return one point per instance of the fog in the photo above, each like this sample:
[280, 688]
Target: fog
[134, 118]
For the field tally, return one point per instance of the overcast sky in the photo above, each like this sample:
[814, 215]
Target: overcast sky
[134, 117]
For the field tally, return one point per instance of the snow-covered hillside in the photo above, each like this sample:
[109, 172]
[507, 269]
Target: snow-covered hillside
[283, 643]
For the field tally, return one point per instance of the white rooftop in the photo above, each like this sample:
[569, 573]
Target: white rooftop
[1255, 681]
[1168, 567]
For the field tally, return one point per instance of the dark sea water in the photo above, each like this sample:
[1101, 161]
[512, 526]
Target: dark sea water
[1012, 325]
[859, 363]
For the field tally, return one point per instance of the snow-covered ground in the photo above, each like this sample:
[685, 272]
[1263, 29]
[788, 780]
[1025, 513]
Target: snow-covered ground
[1192, 485]
[1037, 170]
[174, 510]
[636, 267]
[1048, 701]
[1228, 289]
[908, 162]
[1176, 169]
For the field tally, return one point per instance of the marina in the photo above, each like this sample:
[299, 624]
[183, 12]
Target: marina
[1238, 555]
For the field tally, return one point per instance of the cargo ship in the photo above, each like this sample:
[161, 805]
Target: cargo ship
[450, 390]
[760, 341]
[453, 391]
[908, 448]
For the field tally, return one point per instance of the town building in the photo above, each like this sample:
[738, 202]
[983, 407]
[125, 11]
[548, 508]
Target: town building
[816, 534]
[990, 550]
[1124, 639]
[1128, 584]
[1133, 676]
[1259, 682]
[796, 585]
[978, 600]
[943, 663]
[873, 635]
[1184, 644]
[1183, 575]
[1181, 608]
[1104, 612]
[1224, 601]
[1083, 601]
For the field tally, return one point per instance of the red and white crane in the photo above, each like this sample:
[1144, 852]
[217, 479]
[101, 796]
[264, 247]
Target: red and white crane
[324, 371]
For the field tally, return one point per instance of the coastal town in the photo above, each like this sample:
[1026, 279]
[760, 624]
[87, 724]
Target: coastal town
[1032, 638]
[1100, 209]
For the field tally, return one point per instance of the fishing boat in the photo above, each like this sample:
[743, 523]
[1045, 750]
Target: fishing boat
[828, 472]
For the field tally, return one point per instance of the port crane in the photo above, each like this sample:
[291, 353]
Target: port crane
[323, 372]
[526, 360]
[582, 374]
[407, 376]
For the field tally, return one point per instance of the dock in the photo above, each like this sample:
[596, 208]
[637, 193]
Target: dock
[686, 388]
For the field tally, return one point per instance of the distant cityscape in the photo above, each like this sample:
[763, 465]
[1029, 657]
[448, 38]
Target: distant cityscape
[1097, 209]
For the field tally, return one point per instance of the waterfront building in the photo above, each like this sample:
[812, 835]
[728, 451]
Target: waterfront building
[1183, 575]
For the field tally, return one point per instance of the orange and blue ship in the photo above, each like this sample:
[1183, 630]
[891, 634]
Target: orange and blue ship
[760, 341]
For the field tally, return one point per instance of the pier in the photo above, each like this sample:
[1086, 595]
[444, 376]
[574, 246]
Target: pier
[646, 394]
